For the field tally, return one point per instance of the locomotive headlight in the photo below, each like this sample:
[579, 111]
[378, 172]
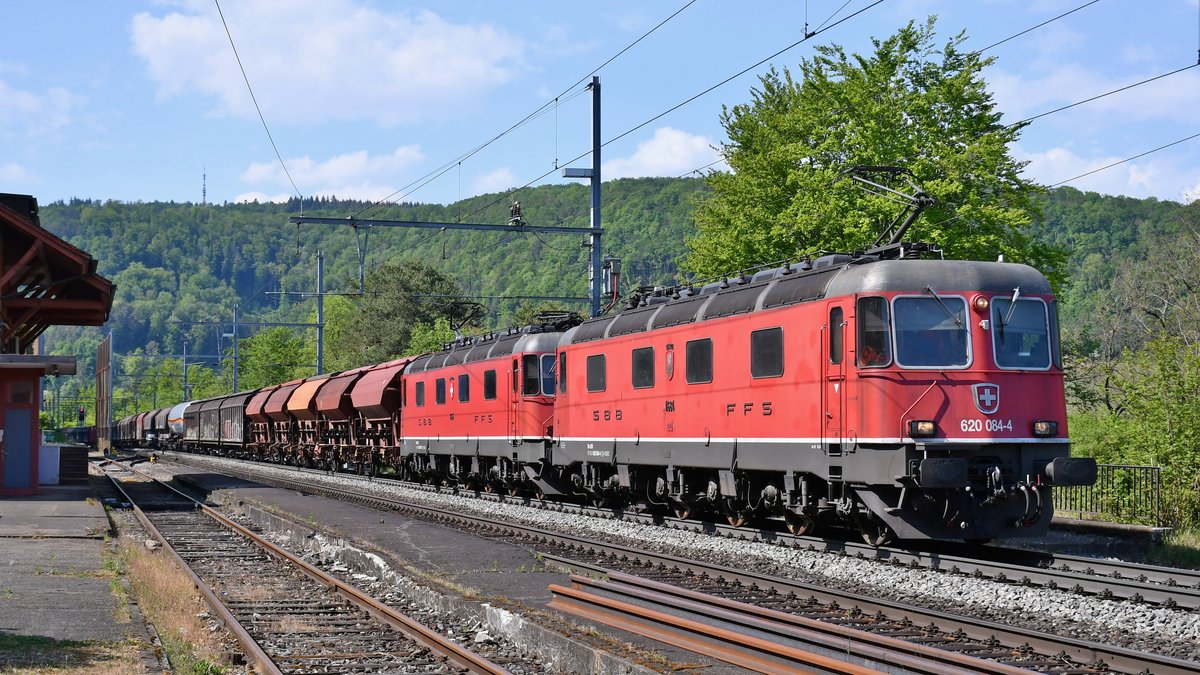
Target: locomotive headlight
[921, 428]
[1045, 428]
[981, 304]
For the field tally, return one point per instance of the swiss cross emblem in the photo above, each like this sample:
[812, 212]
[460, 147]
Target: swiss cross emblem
[987, 397]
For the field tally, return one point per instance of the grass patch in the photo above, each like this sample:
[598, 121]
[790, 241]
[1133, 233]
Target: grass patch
[35, 655]
[170, 601]
[1180, 549]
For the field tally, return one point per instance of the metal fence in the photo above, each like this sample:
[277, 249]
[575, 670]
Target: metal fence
[1123, 492]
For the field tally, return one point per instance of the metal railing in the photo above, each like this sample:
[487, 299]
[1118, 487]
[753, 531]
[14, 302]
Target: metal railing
[1123, 492]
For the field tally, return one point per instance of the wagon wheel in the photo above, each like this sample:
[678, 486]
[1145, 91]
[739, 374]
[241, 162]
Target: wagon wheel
[798, 523]
[682, 509]
[600, 499]
[489, 487]
[874, 531]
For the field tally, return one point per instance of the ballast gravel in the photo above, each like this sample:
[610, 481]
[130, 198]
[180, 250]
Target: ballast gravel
[1145, 628]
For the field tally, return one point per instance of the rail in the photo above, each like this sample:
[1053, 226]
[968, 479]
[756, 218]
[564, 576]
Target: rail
[1123, 492]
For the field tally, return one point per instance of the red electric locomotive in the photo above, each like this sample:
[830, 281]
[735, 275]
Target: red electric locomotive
[910, 396]
[481, 413]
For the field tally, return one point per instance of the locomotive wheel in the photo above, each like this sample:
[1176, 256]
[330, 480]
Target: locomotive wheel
[682, 510]
[874, 531]
[798, 523]
[735, 516]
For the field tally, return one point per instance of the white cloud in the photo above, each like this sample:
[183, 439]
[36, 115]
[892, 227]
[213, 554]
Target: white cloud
[1191, 194]
[35, 114]
[669, 152]
[494, 181]
[1140, 179]
[317, 60]
[261, 197]
[317, 177]
[365, 191]
[12, 172]
[1171, 98]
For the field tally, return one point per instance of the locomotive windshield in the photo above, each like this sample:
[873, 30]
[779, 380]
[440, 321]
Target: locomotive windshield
[548, 374]
[538, 375]
[931, 332]
[1020, 333]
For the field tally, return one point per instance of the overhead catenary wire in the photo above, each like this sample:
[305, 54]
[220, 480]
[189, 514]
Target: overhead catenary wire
[994, 44]
[523, 121]
[1107, 93]
[688, 100]
[1033, 28]
[1127, 159]
[254, 99]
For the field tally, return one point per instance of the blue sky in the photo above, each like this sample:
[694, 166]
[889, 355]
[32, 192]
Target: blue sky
[136, 100]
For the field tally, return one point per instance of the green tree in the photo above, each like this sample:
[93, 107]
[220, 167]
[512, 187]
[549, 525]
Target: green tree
[908, 104]
[272, 356]
[426, 338]
[400, 295]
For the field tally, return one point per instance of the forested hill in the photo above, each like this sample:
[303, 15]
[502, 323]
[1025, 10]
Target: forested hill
[175, 263]
[181, 262]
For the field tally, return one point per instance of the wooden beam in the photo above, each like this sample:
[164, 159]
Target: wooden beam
[11, 273]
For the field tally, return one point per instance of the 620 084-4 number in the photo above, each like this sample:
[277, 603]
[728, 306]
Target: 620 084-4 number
[985, 425]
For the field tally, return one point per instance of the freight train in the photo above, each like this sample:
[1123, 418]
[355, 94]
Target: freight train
[901, 395]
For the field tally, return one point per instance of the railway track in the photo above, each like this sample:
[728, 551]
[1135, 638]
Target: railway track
[288, 616]
[1004, 645]
[1111, 579]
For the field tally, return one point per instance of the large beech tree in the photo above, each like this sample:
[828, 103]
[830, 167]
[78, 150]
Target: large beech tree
[909, 103]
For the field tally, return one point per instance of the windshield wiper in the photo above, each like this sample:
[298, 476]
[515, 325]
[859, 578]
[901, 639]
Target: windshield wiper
[1012, 307]
[940, 302]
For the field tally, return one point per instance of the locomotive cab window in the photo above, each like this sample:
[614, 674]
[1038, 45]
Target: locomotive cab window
[562, 373]
[489, 385]
[530, 382]
[419, 396]
[837, 331]
[698, 358]
[766, 353]
[643, 368]
[932, 331]
[439, 391]
[597, 374]
[548, 374]
[874, 333]
[1020, 333]
[464, 388]
[1055, 336]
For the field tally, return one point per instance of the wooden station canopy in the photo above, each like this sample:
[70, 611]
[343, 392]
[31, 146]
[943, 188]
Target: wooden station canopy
[44, 281]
